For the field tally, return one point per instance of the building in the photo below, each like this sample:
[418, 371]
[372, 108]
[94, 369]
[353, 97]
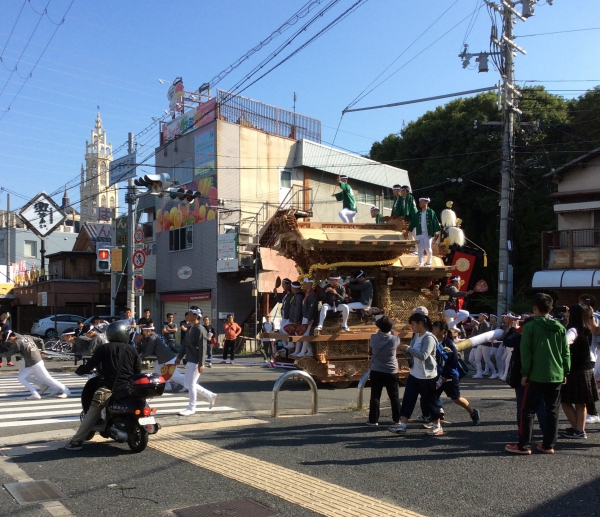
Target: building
[95, 188]
[247, 160]
[571, 253]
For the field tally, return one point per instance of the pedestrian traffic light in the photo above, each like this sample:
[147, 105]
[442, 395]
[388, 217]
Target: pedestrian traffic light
[103, 260]
[155, 183]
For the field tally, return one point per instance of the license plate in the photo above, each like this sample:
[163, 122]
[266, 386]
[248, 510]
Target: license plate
[147, 420]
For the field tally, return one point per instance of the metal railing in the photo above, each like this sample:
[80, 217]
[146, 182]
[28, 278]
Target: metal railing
[568, 240]
[264, 117]
[302, 375]
[361, 386]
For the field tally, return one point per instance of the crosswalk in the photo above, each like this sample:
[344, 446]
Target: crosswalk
[15, 411]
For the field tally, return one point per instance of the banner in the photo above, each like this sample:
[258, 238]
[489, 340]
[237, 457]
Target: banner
[463, 267]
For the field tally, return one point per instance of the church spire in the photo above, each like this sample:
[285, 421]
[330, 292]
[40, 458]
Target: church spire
[98, 123]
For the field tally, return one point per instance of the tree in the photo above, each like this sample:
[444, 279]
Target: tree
[451, 153]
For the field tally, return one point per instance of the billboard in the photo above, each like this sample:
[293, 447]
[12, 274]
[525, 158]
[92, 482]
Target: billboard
[172, 213]
[42, 215]
[191, 119]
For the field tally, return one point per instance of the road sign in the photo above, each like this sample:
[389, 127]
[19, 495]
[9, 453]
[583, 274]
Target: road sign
[138, 236]
[122, 169]
[138, 282]
[139, 259]
[139, 293]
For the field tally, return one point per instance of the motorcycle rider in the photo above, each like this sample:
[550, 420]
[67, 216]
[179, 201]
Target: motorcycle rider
[118, 362]
[153, 344]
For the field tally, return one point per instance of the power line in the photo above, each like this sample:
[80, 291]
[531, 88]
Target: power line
[556, 32]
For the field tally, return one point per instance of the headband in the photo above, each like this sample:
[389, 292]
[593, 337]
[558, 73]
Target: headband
[198, 312]
[405, 187]
[296, 284]
[397, 186]
[8, 334]
[335, 277]
[484, 314]
[148, 328]
[67, 334]
[374, 208]
[455, 279]
[308, 280]
[493, 316]
[425, 199]
[343, 177]
[359, 274]
[286, 281]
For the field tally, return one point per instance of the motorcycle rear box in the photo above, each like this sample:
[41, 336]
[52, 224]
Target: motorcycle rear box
[146, 385]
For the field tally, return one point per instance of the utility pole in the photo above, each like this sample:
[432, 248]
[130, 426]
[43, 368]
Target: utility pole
[506, 52]
[8, 238]
[131, 224]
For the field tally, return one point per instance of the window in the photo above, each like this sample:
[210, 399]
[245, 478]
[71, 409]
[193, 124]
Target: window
[181, 239]
[388, 202]
[366, 195]
[286, 179]
[30, 249]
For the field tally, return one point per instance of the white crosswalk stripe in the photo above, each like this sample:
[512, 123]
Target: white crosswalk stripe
[15, 411]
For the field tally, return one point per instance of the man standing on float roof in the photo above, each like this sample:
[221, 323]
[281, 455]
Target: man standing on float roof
[348, 211]
[409, 208]
[428, 228]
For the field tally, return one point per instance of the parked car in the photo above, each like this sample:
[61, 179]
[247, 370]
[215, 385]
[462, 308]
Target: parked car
[106, 317]
[53, 326]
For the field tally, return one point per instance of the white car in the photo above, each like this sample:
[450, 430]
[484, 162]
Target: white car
[53, 326]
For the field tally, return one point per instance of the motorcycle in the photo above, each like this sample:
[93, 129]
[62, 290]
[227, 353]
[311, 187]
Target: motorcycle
[130, 419]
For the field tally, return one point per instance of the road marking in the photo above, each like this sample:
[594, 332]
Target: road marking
[307, 491]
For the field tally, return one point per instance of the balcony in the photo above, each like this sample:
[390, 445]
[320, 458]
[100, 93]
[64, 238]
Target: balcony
[571, 249]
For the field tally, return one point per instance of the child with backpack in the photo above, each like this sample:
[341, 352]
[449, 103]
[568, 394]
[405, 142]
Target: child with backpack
[450, 372]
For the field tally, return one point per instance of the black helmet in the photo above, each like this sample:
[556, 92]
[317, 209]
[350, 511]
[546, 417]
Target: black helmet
[118, 332]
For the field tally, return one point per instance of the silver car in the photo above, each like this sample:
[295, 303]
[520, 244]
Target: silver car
[53, 326]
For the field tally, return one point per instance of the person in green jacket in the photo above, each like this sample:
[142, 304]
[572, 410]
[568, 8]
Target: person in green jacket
[376, 215]
[409, 208]
[427, 229]
[545, 364]
[397, 214]
[346, 196]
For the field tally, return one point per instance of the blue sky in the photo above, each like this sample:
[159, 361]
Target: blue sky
[111, 54]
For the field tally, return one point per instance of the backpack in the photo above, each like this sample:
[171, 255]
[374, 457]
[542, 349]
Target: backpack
[462, 368]
[441, 356]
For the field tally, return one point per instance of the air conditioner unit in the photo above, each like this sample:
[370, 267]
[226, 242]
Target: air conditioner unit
[68, 229]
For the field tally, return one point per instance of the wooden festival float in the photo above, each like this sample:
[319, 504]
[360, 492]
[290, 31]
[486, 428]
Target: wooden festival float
[389, 262]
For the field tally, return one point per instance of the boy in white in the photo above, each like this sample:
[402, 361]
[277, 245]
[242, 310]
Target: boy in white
[16, 344]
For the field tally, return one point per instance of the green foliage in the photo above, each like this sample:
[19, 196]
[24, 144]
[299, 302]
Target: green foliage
[446, 144]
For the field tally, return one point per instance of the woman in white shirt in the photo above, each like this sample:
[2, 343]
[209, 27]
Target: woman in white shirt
[423, 375]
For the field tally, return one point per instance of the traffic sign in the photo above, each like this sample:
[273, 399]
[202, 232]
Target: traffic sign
[139, 259]
[138, 236]
[139, 293]
[138, 282]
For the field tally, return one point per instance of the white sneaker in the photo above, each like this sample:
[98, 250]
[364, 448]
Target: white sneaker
[485, 374]
[428, 263]
[64, 394]
[33, 396]
[186, 412]
[346, 329]
[477, 376]
[300, 354]
[184, 390]
[319, 327]
[213, 399]
[494, 376]
[592, 419]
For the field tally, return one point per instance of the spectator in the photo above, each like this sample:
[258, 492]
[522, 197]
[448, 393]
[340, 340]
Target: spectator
[130, 320]
[169, 332]
[511, 329]
[449, 381]
[581, 386]
[99, 324]
[5, 326]
[545, 365]
[145, 319]
[183, 328]
[211, 340]
[268, 344]
[232, 331]
[423, 374]
[79, 330]
[384, 370]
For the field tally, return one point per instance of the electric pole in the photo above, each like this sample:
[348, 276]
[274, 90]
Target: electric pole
[131, 224]
[506, 66]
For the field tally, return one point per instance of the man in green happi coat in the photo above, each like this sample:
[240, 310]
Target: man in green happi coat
[409, 208]
[376, 215]
[427, 227]
[346, 196]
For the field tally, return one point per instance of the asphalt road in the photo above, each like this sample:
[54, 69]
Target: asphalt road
[464, 473]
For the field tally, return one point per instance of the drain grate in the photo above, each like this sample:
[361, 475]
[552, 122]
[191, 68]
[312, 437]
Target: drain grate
[235, 508]
[30, 492]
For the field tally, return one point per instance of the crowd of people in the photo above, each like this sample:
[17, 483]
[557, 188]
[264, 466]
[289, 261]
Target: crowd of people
[550, 364]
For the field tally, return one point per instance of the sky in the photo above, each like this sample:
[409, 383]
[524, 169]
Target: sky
[54, 74]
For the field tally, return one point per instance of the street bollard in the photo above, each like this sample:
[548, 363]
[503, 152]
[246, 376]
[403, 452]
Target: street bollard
[361, 385]
[302, 375]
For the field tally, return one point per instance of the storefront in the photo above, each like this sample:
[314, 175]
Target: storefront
[179, 303]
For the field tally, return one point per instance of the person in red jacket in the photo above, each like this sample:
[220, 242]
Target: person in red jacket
[232, 331]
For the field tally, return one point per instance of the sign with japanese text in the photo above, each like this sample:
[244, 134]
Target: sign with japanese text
[42, 215]
[104, 213]
[123, 168]
[227, 246]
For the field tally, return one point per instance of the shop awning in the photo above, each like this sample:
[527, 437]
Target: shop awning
[566, 278]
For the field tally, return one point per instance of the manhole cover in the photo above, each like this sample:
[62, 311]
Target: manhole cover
[31, 492]
[235, 508]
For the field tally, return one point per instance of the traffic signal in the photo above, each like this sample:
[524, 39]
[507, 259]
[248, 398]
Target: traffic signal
[183, 195]
[103, 260]
[155, 183]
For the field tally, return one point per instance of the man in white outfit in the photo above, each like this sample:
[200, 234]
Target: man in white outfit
[333, 297]
[348, 211]
[486, 349]
[195, 353]
[24, 346]
[452, 314]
